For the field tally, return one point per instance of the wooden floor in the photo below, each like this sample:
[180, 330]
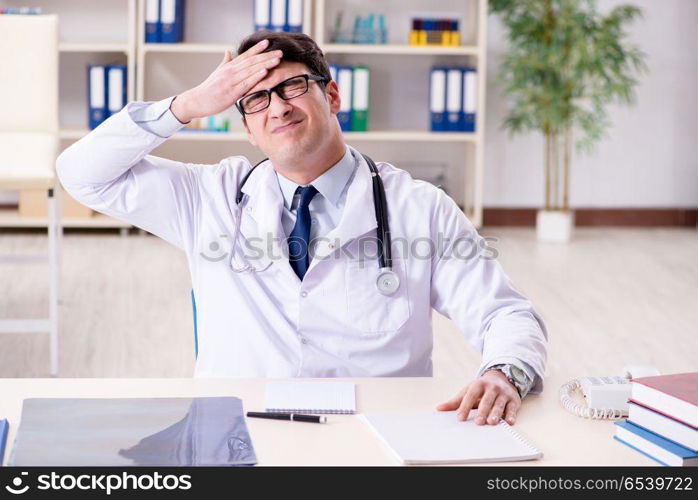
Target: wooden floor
[611, 297]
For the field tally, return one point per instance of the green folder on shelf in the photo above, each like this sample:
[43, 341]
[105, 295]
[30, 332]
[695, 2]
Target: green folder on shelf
[359, 107]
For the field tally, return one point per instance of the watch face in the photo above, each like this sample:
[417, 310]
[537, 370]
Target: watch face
[518, 374]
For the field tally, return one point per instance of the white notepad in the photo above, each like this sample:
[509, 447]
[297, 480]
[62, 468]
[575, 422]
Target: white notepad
[438, 438]
[311, 397]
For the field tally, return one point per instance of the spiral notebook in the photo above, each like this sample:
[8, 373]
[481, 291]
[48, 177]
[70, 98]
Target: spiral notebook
[311, 397]
[438, 438]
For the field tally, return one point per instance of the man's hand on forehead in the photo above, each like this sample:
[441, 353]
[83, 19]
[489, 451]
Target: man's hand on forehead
[232, 79]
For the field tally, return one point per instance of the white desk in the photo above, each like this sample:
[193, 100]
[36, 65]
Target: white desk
[564, 438]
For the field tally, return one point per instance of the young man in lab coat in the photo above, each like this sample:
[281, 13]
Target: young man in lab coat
[264, 310]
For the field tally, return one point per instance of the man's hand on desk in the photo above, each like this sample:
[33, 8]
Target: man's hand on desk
[493, 396]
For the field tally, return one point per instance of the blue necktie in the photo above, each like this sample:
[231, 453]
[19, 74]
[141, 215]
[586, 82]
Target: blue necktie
[298, 241]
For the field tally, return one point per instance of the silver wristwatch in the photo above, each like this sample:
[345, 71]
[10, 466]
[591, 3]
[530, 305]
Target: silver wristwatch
[516, 376]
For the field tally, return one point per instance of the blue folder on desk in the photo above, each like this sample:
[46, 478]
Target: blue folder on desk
[4, 429]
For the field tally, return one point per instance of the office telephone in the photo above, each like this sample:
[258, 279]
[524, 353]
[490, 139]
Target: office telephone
[604, 397]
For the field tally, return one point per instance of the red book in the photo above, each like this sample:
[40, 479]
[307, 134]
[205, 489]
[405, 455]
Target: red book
[673, 395]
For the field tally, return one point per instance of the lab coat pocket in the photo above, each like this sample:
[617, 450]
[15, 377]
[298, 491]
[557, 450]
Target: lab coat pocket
[368, 310]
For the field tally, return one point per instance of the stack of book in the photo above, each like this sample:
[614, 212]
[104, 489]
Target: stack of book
[353, 83]
[164, 21]
[662, 419]
[434, 32]
[453, 99]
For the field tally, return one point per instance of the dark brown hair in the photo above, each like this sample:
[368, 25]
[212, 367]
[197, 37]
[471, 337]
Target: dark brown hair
[296, 47]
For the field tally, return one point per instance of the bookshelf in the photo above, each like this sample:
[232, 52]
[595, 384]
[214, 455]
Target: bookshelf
[400, 74]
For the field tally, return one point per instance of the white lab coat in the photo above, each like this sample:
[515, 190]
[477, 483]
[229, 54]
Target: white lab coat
[334, 323]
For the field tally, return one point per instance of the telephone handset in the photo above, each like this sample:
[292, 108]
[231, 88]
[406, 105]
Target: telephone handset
[605, 397]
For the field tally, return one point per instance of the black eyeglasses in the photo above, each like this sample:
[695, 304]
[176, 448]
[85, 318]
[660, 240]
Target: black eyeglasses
[258, 101]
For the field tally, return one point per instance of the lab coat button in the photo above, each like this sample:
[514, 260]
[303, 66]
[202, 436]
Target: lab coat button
[304, 340]
[304, 293]
[330, 246]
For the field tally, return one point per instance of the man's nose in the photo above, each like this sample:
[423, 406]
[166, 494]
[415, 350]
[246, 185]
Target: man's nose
[278, 107]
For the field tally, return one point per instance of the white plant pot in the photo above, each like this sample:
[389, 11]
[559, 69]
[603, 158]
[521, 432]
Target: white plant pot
[554, 225]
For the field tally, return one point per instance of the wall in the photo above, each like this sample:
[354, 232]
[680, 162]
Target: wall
[648, 158]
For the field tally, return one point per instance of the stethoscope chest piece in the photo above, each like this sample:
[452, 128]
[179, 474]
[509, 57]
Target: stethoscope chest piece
[387, 282]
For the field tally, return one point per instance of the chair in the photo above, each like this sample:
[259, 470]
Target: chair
[29, 143]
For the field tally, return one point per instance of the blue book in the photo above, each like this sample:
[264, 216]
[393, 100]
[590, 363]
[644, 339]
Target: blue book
[262, 15]
[469, 110]
[171, 21]
[96, 95]
[4, 429]
[116, 88]
[345, 80]
[654, 446]
[152, 21]
[437, 99]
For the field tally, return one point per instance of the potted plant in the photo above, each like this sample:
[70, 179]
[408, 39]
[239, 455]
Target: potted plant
[566, 62]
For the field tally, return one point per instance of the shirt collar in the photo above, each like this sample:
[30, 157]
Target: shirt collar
[330, 184]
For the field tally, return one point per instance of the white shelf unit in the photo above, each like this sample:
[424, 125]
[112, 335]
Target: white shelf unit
[85, 37]
[156, 71]
[472, 52]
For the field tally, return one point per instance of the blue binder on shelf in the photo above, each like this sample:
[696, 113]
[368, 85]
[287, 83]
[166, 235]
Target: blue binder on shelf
[152, 21]
[279, 8]
[171, 21]
[96, 95]
[345, 79]
[294, 16]
[469, 112]
[454, 94]
[333, 72]
[262, 15]
[116, 88]
[437, 99]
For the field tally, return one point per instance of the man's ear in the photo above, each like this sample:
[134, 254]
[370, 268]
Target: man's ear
[332, 92]
[250, 137]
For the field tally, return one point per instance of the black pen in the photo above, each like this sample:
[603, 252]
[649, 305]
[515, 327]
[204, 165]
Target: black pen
[297, 417]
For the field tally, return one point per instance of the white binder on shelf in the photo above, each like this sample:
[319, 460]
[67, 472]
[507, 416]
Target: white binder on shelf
[454, 94]
[359, 111]
[295, 16]
[97, 89]
[344, 82]
[278, 15]
[152, 20]
[116, 88]
[262, 15]
[437, 99]
[469, 100]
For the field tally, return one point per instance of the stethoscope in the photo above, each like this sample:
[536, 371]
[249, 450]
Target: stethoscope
[387, 281]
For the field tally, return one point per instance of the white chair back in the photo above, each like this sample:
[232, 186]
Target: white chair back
[29, 73]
